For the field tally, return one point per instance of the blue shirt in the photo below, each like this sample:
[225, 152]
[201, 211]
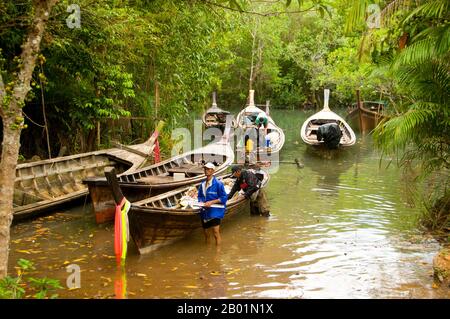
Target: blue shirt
[215, 191]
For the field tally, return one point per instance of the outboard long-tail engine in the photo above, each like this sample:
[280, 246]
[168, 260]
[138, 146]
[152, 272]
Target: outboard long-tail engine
[331, 134]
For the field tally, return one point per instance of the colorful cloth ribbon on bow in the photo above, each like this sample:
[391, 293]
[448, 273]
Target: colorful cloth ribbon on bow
[121, 230]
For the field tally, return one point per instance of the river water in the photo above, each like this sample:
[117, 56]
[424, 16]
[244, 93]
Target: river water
[341, 227]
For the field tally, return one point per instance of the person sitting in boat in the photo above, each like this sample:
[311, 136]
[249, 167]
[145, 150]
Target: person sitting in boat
[212, 193]
[248, 185]
[261, 120]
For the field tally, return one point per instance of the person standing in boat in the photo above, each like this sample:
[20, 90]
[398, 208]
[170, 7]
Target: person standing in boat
[261, 120]
[212, 193]
[248, 183]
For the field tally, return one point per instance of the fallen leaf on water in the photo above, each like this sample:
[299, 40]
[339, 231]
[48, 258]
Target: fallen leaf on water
[42, 230]
[215, 273]
[233, 271]
[435, 285]
[191, 287]
[174, 268]
[91, 235]
[106, 278]
[23, 251]
[79, 259]
[141, 275]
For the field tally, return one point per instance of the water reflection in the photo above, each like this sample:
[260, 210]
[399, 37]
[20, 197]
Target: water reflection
[120, 283]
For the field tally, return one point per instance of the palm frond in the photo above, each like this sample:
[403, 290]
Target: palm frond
[443, 39]
[356, 14]
[430, 9]
[393, 7]
[426, 82]
[417, 53]
[400, 130]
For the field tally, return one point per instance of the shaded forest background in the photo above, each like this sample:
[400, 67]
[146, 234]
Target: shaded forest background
[162, 59]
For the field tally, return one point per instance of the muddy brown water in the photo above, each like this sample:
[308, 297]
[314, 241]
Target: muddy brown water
[341, 227]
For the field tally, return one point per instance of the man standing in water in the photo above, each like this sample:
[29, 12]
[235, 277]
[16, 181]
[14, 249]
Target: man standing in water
[249, 184]
[212, 193]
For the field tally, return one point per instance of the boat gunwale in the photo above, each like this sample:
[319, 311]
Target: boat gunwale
[223, 166]
[140, 205]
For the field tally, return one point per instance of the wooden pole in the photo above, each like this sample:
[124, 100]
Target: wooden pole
[45, 115]
[111, 177]
[156, 98]
[268, 107]
[98, 134]
[359, 104]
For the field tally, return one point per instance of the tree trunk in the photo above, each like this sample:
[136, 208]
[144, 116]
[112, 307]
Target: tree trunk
[13, 123]
[10, 153]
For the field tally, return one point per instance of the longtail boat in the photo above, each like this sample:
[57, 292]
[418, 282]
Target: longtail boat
[245, 121]
[42, 185]
[175, 172]
[366, 115]
[313, 131]
[215, 116]
[160, 220]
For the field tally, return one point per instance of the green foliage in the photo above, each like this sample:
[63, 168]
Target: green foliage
[421, 128]
[16, 287]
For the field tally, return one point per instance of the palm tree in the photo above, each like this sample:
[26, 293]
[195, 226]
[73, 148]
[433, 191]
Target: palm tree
[421, 130]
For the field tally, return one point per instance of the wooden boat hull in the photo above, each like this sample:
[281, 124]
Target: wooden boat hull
[152, 229]
[217, 120]
[47, 184]
[260, 153]
[154, 224]
[366, 117]
[308, 131]
[156, 179]
[215, 116]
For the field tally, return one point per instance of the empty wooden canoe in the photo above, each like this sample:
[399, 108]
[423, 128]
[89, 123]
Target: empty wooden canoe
[215, 116]
[45, 184]
[366, 115]
[175, 172]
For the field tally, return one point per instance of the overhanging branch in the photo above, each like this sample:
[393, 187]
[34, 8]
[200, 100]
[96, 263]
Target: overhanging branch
[263, 14]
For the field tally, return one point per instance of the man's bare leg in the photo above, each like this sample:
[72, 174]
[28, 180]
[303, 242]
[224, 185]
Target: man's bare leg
[207, 232]
[216, 232]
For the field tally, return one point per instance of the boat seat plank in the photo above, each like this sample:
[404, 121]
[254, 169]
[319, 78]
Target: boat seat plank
[158, 179]
[187, 170]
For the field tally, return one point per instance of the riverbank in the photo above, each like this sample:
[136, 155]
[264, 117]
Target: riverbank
[441, 267]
